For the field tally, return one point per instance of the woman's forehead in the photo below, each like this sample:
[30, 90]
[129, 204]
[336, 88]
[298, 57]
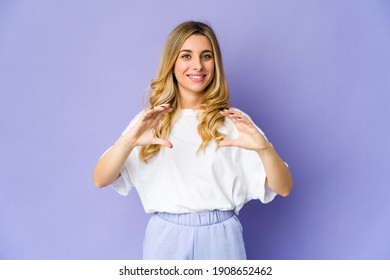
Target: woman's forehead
[197, 43]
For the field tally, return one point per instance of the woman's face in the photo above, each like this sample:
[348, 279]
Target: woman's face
[194, 67]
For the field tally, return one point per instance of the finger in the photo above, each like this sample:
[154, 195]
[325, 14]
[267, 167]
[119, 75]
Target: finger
[234, 114]
[224, 111]
[244, 119]
[149, 114]
[158, 115]
[154, 112]
[163, 107]
[227, 143]
[233, 117]
[229, 111]
[236, 117]
[166, 105]
[162, 142]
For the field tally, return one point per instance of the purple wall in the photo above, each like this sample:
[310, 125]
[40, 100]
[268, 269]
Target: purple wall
[314, 75]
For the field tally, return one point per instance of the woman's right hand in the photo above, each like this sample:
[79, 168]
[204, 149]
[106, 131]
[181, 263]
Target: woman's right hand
[142, 133]
[111, 163]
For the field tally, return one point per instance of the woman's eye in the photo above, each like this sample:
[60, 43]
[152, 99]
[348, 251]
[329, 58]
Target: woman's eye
[206, 57]
[186, 56]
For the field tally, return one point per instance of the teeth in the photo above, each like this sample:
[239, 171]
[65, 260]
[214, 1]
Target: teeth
[196, 77]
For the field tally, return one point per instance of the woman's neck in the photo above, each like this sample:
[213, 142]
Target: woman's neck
[190, 102]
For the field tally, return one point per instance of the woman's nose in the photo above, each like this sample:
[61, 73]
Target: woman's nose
[197, 65]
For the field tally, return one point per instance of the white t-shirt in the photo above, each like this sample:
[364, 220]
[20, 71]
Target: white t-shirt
[180, 180]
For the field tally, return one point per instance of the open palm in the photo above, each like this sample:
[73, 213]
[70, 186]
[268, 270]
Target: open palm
[142, 133]
[249, 136]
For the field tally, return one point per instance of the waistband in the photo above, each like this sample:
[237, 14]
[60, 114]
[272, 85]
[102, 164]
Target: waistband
[197, 218]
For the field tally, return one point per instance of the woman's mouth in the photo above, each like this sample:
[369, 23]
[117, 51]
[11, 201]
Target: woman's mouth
[196, 78]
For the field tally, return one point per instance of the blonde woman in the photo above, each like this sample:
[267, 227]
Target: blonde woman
[194, 160]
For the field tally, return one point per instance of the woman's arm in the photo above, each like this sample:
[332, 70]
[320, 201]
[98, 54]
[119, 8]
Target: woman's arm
[278, 175]
[109, 166]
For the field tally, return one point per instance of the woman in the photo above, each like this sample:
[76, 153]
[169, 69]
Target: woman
[194, 160]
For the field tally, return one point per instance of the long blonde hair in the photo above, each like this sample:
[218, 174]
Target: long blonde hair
[164, 88]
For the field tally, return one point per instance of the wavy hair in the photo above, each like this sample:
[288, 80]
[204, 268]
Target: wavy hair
[164, 89]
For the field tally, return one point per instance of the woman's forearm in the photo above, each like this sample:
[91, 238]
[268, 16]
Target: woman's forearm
[111, 163]
[278, 175]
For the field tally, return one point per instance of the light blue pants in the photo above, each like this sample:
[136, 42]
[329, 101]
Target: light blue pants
[213, 235]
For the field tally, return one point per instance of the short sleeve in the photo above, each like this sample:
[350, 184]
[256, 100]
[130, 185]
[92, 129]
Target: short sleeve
[255, 176]
[125, 182]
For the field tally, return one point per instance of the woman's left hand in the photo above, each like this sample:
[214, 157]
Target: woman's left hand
[249, 136]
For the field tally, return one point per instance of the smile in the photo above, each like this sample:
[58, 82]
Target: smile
[197, 77]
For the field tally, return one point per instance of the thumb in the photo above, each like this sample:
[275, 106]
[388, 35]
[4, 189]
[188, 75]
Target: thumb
[162, 142]
[226, 143]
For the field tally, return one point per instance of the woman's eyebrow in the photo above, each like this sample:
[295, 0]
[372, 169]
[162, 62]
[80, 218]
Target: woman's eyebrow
[190, 51]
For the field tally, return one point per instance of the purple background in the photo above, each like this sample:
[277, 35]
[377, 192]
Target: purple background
[314, 75]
